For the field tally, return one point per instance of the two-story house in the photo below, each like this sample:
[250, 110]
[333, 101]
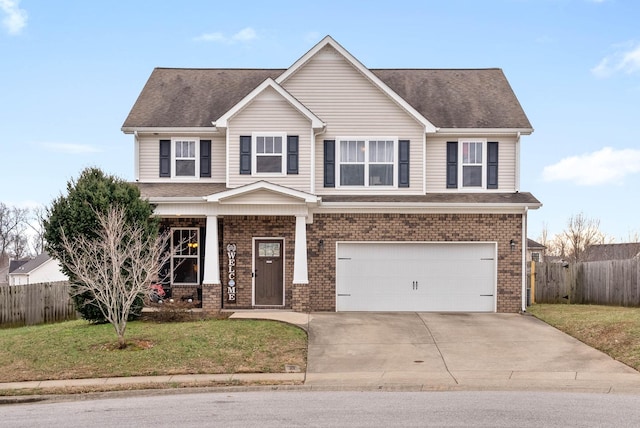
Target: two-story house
[329, 186]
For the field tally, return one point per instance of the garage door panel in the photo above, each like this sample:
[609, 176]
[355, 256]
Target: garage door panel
[416, 277]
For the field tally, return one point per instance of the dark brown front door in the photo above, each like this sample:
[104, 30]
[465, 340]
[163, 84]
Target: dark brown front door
[268, 274]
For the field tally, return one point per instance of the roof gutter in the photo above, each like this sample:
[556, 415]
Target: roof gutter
[492, 131]
[169, 130]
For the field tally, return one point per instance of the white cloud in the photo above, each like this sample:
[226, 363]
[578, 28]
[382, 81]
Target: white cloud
[71, 149]
[606, 166]
[625, 60]
[245, 35]
[312, 37]
[15, 18]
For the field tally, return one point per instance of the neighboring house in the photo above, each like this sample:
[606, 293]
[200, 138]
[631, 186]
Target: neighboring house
[535, 251]
[602, 252]
[40, 269]
[328, 186]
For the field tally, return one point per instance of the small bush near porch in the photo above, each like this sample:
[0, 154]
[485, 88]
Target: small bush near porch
[77, 349]
[611, 329]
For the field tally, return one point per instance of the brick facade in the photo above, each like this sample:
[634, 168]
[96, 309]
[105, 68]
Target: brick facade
[327, 229]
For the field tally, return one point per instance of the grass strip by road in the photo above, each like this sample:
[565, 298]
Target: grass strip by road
[77, 349]
[611, 329]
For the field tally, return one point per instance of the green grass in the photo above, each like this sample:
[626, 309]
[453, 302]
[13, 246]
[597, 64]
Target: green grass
[611, 329]
[77, 349]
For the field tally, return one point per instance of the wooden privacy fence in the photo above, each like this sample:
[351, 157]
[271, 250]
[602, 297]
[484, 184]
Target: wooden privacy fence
[614, 282]
[32, 304]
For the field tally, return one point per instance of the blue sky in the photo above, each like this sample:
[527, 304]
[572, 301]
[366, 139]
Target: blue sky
[71, 70]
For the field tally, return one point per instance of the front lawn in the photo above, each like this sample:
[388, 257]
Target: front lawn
[611, 329]
[77, 349]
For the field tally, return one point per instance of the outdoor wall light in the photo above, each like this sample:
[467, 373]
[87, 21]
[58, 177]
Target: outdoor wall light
[512, 243]
[321, 243]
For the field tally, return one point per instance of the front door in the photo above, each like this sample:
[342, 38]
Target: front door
[268, 272]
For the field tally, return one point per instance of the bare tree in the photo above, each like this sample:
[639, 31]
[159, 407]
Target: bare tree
[10, 220]
[581, 233]
[116, 267]
[35, 222]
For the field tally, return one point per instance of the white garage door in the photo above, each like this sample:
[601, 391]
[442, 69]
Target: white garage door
[437, 277]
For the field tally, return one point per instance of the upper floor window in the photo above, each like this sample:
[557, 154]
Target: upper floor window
[366, 162]
[266, 153]
[472, 155]
[185, 158]
[472, 164]
[269, 155]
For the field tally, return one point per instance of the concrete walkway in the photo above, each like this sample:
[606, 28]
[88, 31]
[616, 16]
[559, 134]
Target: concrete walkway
[422, 351]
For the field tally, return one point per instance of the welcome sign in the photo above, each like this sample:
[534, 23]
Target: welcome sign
[231, 277]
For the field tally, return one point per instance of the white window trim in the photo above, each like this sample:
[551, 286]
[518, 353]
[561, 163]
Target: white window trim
[484, 164]
[173, 158]
[174, 256]
[366, 162]
[254, 153]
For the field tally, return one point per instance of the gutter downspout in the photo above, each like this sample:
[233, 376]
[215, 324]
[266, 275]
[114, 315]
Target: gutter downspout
[136, 156]
[524, 260]
[312, 186]
[517, 162]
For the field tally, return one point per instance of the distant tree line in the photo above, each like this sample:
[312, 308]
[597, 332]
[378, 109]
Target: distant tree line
[580, 233]
[21, 232]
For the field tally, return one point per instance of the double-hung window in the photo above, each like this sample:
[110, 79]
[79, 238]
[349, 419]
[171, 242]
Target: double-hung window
[367, 162]
[185, 256]
[472, 171]
[269, 153]
[185, 158]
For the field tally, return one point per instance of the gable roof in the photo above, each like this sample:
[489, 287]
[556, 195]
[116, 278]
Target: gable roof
[30, 265]
[270, 83]
[531, 244]
[16, 264]
[449, 99]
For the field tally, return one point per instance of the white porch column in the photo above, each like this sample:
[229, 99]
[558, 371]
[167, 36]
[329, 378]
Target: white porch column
[211, 257]
[300, 274]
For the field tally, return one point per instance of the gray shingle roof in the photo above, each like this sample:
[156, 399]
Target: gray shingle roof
[195, 190]
[469, 98]
[29, 265]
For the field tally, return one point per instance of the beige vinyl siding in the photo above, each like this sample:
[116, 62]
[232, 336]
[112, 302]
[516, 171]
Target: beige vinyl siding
[269, 112]
[352, 106]
[437, 163]
[149, 157]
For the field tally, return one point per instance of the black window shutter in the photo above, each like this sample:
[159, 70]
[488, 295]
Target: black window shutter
[292, 154]
[245, 155]
[403, 163]
[329, 163]
[165, 158]
[492, 165]
[452, 165]
[205, 158]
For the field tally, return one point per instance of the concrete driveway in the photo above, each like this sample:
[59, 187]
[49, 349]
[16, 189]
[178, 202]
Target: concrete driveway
[455, 351]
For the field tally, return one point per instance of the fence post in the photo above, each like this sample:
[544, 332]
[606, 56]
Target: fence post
[533, 282]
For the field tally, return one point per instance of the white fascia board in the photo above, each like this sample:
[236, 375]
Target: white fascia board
[414, 208]
[176, 130]
[263, 185]
[316, 123]
[328, 40]
[484, 131]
